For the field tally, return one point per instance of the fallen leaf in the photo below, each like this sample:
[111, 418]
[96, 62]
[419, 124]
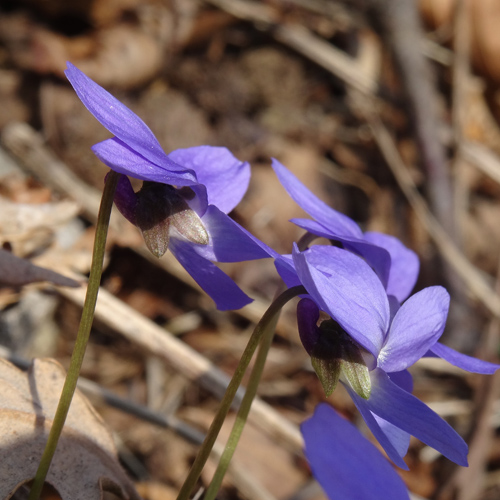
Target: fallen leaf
[85, 464]
[16, 271]
[27, 227]
[120, 56]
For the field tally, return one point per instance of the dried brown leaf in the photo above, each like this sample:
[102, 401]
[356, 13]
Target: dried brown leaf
[126, 58]
[15, 271]
[30, 226]
[121, 56]
[85, 463]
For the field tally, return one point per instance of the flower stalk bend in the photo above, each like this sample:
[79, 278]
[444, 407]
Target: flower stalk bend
[265, 327]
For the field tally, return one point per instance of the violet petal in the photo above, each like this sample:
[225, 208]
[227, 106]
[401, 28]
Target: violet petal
[416, 327]
[345, 463]
[225, 177]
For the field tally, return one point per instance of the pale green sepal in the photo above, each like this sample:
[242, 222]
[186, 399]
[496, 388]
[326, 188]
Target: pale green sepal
[355, 370]
[328, 372]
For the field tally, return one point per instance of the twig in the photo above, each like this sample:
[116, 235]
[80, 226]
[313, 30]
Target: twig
[461, 75]
[325, 55]
[332, 10]
[28, 147]
[472, 277]
[302, 40]
[483, 158]
[404, 36]
[470, 481]
[461, 69]
[149, 336]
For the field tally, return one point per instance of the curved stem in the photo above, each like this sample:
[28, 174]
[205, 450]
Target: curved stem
[244, 410]
[270, 317]
[306, 240]
[82, 335]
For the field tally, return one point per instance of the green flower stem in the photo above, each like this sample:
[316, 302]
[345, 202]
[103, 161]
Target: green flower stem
[82, 336]
[268, 321]
[244, 410]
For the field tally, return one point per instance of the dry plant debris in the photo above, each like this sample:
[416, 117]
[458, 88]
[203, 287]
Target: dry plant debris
[85, 465]
[15, 271]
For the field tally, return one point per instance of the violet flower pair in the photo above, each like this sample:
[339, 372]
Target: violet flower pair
[375, 332]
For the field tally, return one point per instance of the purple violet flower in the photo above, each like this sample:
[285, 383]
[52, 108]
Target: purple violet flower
[185, 198]
[396, 265]
[369, 343]
[345, 463]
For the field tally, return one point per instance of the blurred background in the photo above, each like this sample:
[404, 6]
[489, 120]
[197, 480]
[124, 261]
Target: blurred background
[388, 110]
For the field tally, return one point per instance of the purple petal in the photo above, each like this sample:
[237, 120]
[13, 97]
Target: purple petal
[405, 411]
[123, 159]
[225, 177]
[316, 228]
[394, 305]
[118, 119]
[220, 287]
[399, 438]
[345, 463]
[229, 242]
[198, 202]
[286, 269]
[467, 363]
[378, 258]
[307, 317]
[344, 286]
[394, 443]
[404, 266]
[416, 327]
[332, 220]
[403, 379]
[125, 198]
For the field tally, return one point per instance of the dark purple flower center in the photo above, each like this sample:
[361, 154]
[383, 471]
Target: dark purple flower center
[159, 208]
[335, 354]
